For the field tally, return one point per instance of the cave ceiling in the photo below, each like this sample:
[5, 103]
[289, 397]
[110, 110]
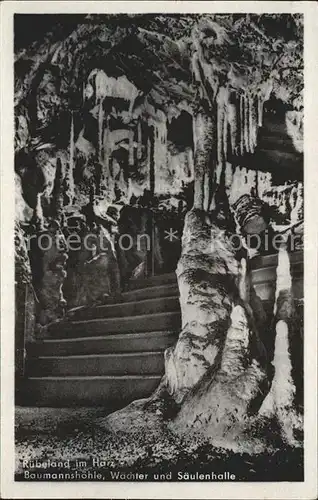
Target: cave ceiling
[174, 62]
[156, 53]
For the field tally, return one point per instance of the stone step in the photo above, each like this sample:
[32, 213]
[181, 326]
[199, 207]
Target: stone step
[139, 363]
[128, 324]
[109, 391]
[266, 289]
[160, 279]
[261, 261]
[168, 290]
[127, 342]
[130, 308]
[268, 274]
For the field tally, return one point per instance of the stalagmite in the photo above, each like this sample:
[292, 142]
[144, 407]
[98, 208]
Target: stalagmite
[280, 400]
[38, 213]
[283, 276]
[243, 282]
[236, 343]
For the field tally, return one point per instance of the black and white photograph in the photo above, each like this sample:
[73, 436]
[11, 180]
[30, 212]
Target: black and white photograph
[159, 247]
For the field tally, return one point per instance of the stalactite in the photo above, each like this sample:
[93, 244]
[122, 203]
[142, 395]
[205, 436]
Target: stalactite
[293, 198]
[222, 99]
[139, 141]
[225, 136]
[254, 123]
[232, 120]
[158, 121]
[217, 173]
[190, 165]
[58, 195]
[296, 211]
[264, 94]
[162, 149]
[264, 183]
[282, 204]
[260, 111]
[257, 183]
[241, 106]
[71, 164]
[131, 148]
[148, 161]
[206, 192]
[101, 86]
[107, 151]
[100, 130]
[245, 126]
[250, 125]
[228, 176]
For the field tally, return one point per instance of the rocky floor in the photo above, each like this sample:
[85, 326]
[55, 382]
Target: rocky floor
[81, 434]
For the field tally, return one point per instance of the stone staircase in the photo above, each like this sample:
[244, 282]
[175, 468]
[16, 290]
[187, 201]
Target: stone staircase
[112, 354]
[109, 354]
